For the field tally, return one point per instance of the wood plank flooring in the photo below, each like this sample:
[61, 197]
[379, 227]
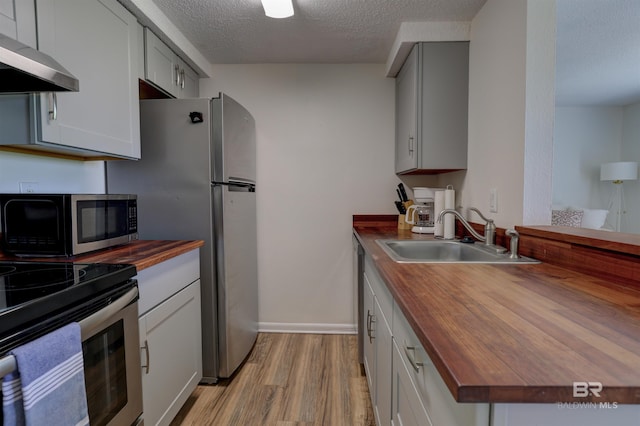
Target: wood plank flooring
[288, 379]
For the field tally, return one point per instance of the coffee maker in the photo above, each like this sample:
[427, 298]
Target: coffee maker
[420, 214]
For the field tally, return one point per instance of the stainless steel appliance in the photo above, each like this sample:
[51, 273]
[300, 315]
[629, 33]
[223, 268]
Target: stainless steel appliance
[196, 180]
[36, 298]
[66, 224]
[27, 70]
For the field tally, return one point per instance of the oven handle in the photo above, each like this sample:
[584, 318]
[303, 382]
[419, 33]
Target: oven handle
[8, 363]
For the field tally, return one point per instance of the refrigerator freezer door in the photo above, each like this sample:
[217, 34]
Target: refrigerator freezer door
[237, 269]
[234, 141]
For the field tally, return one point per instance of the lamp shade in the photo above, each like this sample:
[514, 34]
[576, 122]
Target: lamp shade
[278, 8]
[622, 170]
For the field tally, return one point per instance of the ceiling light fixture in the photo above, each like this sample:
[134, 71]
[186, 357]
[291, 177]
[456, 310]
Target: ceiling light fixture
[278, 8]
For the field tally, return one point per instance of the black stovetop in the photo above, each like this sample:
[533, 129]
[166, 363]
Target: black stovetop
[34, 291]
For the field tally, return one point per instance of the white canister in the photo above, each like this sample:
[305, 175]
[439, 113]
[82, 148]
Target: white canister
[438, 207]
[449, 219]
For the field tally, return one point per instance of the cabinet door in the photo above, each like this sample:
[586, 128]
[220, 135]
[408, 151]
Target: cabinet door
[407, 408]
[383, 359]
[171, 342]
[189, 81]
[161, 64]
[18, 21]
[444, 104]
[96, 40]
[369, 321]
[407, 114]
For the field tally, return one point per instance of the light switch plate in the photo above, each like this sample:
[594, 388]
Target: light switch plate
[493, 200]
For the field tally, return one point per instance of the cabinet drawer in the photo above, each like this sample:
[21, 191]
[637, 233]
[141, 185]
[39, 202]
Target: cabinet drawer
[159, 282]
[443, 410]
[407, 408]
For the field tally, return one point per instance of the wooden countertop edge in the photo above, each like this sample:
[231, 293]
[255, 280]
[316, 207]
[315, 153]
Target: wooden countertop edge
[628, 244]
[466, 392]
[141, 253]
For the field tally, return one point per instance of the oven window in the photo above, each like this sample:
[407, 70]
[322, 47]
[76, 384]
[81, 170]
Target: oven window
[101, 220]
[105, 373]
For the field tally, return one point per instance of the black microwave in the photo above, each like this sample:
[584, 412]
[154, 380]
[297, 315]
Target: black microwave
[66, 224]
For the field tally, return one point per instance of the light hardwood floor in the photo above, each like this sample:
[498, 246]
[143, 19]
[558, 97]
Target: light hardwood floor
[288, 379]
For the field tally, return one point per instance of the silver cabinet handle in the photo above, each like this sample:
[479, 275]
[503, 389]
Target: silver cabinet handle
[146, 349]
[410, 146]
[371, 319]
[176, 69]
[410, 351]
[182, 79]
[53, 106]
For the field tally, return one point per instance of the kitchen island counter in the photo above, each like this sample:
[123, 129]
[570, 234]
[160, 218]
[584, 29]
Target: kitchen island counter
[516, 333]
[141, 253]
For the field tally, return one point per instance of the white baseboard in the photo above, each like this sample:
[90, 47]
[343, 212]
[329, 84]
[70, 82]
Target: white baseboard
[284, 327]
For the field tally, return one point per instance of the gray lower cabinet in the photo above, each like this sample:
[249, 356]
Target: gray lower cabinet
[407, 390]
[170, 336]
[416, 377]
[432, 96]
[377, 351]
[406, 407]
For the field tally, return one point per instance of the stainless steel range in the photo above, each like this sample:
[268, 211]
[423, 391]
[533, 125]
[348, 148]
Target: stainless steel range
[39, 297]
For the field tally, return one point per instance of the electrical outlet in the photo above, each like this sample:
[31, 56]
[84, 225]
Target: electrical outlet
[28, 187]
[493, 200]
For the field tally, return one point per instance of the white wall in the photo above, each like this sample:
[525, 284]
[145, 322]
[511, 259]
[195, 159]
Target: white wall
[584, 138]
[631, 152]
[325, 151]
[511, 104]
[51, 174]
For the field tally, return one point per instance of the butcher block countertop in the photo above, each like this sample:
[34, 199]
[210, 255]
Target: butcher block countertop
[516, 333]
[143, 253]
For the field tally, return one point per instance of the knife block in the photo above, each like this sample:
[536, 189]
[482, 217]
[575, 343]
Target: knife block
[402, 224]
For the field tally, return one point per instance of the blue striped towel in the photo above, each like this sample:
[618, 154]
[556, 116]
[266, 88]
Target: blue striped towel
[49, 386]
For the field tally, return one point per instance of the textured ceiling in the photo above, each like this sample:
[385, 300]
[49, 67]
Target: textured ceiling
[321, 31]
[598, 51]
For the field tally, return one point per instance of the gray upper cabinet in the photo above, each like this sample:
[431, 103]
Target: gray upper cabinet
[96, 40]
[166, 70]
[432, 95]
[18, 21]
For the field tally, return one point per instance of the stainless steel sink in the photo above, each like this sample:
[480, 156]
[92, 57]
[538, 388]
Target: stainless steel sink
[444, 251]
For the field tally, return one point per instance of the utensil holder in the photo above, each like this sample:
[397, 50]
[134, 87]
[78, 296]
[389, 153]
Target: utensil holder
[402, 224]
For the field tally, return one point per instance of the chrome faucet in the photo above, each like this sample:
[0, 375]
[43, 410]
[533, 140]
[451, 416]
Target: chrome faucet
[489, 228]
[515, 238]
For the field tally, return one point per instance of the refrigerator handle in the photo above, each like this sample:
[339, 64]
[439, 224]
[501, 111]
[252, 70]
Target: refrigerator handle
[237, 186]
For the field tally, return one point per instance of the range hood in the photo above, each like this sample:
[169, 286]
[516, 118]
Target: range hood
[27, 70]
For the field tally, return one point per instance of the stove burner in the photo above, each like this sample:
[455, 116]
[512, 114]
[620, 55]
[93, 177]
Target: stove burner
[32, 292]
[40, 278]
[7, 270]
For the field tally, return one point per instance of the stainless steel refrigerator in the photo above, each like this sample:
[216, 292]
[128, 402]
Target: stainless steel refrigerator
[196, 180]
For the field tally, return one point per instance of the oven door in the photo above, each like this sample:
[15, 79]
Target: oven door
[113, 376]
